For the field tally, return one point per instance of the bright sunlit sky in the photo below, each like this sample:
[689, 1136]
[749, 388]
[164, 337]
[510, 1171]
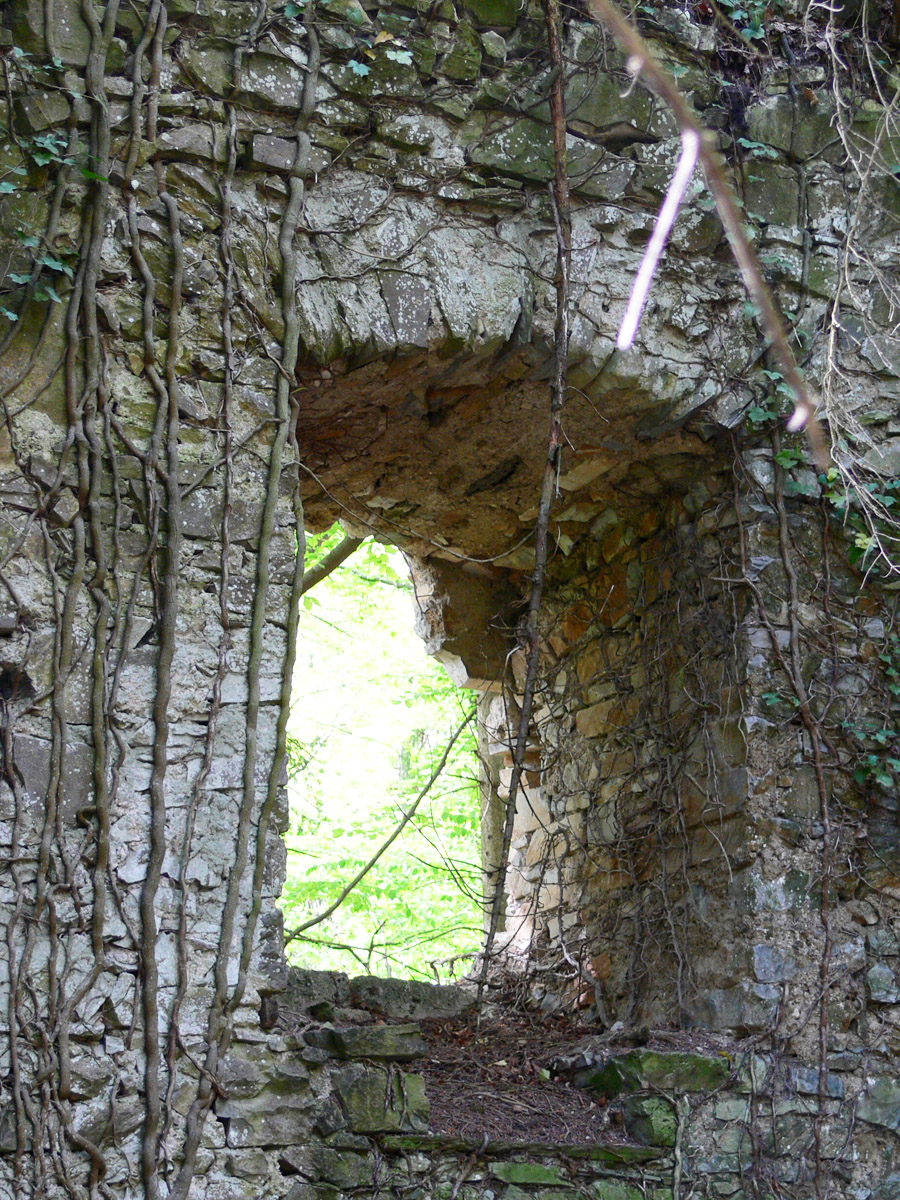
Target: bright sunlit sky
[355, 673]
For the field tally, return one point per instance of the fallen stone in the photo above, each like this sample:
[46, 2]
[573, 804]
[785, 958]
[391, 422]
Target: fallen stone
[408, 999]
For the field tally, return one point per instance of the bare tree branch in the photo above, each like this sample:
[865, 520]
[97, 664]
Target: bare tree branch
[642, 62]
[330, 562]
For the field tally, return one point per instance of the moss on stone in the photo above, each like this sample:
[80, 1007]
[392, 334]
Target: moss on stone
[614, 1189]
[376, 1102]
[350, 12]
[679, 1071]
[462, 62]
[523, 149]
[500, 13]
[608, 1155]
[424, 54]
[526, 1172]
[651, 1119]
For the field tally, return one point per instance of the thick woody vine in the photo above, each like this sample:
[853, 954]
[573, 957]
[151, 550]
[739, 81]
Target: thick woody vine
[84, 561]
[74, 891]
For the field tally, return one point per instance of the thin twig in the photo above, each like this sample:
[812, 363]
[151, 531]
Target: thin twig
[387, 843]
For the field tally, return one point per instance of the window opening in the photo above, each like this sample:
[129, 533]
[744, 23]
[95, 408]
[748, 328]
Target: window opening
[372, 718]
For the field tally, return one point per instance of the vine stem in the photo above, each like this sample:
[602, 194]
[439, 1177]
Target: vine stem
[223, 1005]
[559, 196]
[792, 666]
[814, 731]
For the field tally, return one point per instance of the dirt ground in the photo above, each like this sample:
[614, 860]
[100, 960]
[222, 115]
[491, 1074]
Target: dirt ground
[495, 1082]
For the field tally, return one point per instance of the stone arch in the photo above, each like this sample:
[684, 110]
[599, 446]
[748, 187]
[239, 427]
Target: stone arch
[259, 320]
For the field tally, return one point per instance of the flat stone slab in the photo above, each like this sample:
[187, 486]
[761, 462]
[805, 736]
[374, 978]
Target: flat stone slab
[410, 999]
[614, 1154]
[679, 1071]
[398, 1043]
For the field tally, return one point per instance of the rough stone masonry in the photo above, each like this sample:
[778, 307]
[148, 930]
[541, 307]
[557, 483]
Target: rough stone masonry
[267, 266]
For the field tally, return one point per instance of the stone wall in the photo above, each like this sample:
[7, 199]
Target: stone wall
[670, 851]
[333, 1106]
[264, 269]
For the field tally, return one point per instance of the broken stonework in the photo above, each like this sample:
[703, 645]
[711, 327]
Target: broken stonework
[264, 269]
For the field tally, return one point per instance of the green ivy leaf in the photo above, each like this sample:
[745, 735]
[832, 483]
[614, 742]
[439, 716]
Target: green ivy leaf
[46, 291]
[759, 415]
[758, 149]
[47, 260]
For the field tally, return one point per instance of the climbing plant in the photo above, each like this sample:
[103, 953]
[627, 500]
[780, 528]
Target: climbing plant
[164, 542]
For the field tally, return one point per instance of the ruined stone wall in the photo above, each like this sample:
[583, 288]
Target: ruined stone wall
[671, 851]
[337, 1104]
[264, 269]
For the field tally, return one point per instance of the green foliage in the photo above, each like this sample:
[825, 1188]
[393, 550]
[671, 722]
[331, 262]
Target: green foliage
[865, 510]
[789, 457]
[757, 149]
[776, 700]
[36, 151]
[373, 716]
[880, 740]
[749, 16]
[760, 414]
[779, 396]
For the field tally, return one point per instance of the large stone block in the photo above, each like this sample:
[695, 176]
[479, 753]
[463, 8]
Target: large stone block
[880, 1103]
[69, 38]
[380, 1101]
[651, 1120]
[677, 1071]
[401, 1043]
[410, 999]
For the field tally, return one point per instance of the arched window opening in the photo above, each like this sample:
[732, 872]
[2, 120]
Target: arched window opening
[384, 871]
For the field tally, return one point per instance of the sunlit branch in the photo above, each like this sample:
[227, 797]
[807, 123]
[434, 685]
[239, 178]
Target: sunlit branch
[330, 562]
[690, 146]
[642, 62]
